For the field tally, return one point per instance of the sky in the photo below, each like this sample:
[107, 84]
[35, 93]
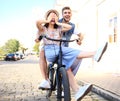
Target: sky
[18, 18]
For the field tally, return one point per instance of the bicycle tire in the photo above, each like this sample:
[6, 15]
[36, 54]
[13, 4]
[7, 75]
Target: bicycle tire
[51, 76]
[63, 84]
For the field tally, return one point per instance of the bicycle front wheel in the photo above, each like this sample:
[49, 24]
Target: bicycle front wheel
[51, 77]
[63, 84]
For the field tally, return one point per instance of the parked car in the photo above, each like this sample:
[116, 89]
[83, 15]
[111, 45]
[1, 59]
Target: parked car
[11, 56]
[18, 56]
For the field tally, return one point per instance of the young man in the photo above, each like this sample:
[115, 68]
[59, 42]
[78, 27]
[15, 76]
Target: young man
[67, 14]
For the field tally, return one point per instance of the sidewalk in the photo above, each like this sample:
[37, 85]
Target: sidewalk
[105, 84]
[105, 75]
[19, 81]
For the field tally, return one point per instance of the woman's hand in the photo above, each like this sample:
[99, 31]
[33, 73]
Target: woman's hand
[56, 20]
[37, 40]
[49, 19]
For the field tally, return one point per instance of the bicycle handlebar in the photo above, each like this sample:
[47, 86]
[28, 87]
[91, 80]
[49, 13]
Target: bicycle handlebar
[60, 40]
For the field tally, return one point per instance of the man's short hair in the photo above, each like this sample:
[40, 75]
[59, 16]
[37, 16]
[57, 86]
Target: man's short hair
[66, 7]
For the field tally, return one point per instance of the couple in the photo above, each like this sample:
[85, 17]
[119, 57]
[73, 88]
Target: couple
[54, 29]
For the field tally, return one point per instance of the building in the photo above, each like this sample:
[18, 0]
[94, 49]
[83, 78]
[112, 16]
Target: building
[100, 21]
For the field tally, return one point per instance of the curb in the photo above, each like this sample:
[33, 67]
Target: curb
[103, 92]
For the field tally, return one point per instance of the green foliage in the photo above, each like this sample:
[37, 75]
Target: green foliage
[11, 46]
[2, 53]
[36, 47]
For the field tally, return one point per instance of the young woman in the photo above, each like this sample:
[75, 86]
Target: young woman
[54, 29]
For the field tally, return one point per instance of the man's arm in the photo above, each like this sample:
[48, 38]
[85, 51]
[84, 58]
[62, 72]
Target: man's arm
[65, 26]
[79, 34]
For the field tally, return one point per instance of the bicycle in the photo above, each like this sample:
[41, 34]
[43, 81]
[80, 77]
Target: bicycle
[57, 75]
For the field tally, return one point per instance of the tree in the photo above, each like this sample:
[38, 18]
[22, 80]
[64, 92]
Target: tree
[23, 49]
[12, 46]
[2, 51]
[36, 47]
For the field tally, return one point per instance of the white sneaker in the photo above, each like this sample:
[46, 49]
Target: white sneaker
[82, 92]
[61, 95]
[100, 52]
[44, 85]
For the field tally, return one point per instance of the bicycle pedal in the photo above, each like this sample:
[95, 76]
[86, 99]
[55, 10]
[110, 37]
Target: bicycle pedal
[44, 88]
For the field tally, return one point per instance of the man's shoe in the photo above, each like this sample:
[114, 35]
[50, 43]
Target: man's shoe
[82, 92]
[100, 52]
[44, 85]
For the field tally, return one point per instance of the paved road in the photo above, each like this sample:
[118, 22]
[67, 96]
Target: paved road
[19, 80]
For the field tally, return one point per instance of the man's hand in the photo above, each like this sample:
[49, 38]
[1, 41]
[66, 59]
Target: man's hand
[79, 42]
[81, 36]
[80, 39]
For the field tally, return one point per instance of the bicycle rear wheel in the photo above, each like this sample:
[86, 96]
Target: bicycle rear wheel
[63, 84]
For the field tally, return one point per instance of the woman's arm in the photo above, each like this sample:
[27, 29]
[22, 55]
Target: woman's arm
[40, 26]
[65, 27]
[37, 37]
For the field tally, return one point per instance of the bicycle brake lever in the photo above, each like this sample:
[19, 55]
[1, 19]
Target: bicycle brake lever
[78, 39]
[40, 37]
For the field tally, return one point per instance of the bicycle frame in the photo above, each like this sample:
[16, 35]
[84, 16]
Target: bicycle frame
[60, 78]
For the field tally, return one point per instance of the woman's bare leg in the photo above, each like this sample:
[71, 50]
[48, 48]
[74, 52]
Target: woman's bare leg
[43, 65]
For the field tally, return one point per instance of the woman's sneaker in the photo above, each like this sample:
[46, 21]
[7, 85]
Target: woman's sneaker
[61, 94]
[82, 92]
[44, 85]
[100, 52]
